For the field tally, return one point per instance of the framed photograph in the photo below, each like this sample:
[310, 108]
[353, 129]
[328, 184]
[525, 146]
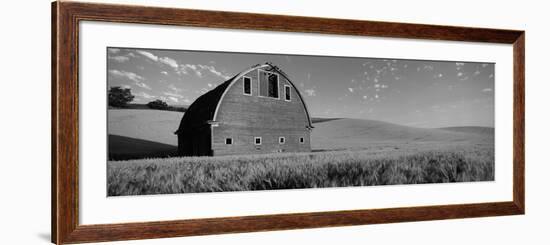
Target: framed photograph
[175, 122]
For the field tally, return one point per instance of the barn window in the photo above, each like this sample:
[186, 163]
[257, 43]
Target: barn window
[287, 93]
[228, 141]
[247, 86]
[302, 140]
[281, 140]
[269, 84]
[257, 140]
[273, 90]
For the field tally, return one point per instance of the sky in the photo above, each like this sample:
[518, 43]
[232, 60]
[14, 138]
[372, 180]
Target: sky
[417, 93]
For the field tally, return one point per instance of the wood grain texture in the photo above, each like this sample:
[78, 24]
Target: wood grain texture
[65, 121]
[149, 230]
[519, 122]
[243, 117]
[234, 20]
[53, 102]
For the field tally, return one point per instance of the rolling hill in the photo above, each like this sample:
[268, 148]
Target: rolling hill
[134, 106]
[136, 133]
[471, 129]
[359, 133]
[152, 125]
[150, 133]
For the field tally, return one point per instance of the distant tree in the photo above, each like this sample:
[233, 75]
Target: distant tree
[158, 104]
[120, 97]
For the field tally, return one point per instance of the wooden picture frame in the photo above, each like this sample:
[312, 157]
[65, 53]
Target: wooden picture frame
[65, 121]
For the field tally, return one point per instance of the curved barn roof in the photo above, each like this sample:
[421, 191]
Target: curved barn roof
[204, 109]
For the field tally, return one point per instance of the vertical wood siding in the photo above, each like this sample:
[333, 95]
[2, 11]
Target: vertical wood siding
[243, 117]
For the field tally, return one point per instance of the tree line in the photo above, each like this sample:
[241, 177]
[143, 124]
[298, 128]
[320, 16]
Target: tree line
[121, 97]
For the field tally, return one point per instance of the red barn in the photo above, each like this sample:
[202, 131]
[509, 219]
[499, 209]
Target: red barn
[259, 110]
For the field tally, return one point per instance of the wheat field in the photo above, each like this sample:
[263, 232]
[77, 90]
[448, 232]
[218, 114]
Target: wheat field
[433, 164]
[347, 152]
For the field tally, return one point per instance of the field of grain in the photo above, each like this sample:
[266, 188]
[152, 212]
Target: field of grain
[142, 133]
[346, 152]
[299, 170]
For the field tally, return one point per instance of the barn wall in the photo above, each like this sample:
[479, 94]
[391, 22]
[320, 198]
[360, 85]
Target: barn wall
[243, 117]
[243, 141]
[196, 142]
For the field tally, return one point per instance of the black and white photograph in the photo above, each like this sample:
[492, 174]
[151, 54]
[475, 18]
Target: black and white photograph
[275, 122]
[184, 121]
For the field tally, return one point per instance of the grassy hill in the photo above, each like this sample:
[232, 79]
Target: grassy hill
[150, 133]
[142, 133]
[134, 106]
[472, 130]
[357, 133]
[347, 152]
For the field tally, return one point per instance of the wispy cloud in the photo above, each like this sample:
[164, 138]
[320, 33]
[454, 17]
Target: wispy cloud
[137, 79]
[113, 50]
[200, 69]
[143, 85]
[169, 61]
[148, 55]
[487, 90]
[176, 97]
[428, 67]
[119, 59]
[114, 54]
[184, 69]
[145, 95]
[213, 70]
[174, 88]
[379, 85]
[173, 94]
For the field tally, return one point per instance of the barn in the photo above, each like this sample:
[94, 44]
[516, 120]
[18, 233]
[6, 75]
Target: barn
[257, 111]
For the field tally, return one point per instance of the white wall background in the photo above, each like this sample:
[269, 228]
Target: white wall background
[25, 121]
